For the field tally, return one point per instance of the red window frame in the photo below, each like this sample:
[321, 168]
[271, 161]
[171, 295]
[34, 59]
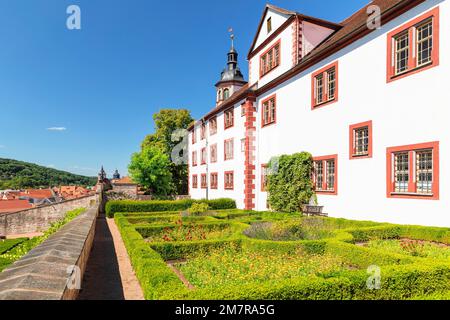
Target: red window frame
[412, 182]
[228, 186]
[213, 128]
[324, 73]
[243, 111]
[352, 142]
[203, 131]
[264, 121]
[412, 56]
[225, 149]
[264, 177]
[324, 160]
[204, 181]
[214, 180]
[275, 62]
[194, 181]
[203, 156]
[243, 141]
[228, 125]
[213, 151]
[194, 136]
[194, 158]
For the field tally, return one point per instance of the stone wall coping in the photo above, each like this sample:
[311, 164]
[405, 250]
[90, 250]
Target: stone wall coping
[48, 205]
[42, 274]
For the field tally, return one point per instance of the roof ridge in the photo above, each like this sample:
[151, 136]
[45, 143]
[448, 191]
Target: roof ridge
[356, 12]
[279, 9]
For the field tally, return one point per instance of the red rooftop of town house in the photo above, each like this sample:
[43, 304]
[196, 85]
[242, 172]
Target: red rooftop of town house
[124, 180]
[14, 205]
[71, 192]
[37, 193]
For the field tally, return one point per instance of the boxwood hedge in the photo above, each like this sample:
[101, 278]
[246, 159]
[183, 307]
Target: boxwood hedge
[113, 207]
[402, 276]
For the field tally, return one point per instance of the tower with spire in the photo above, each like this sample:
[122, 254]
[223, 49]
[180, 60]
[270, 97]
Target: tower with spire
[101, 175]
[231, 78]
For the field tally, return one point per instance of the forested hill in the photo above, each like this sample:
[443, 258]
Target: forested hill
[20, 175]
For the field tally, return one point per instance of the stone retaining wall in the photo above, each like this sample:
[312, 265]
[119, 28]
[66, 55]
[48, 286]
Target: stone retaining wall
[54, 270]
[39, 219]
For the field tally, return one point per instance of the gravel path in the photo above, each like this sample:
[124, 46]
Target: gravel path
[132, 289]
[109, 275]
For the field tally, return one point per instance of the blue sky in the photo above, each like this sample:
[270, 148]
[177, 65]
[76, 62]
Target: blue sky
[77, 99]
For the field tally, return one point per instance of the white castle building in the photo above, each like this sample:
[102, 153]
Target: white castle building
[370, 104]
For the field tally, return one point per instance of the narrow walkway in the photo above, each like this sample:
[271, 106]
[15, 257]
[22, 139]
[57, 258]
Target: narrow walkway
[109, 275]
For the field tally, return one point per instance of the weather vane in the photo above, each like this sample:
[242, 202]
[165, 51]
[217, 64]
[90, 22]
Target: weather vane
[230, 30]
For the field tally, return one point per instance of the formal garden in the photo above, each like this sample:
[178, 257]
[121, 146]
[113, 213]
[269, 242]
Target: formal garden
[209, 250]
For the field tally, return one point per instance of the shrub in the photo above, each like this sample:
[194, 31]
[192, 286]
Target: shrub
[290, 230]
[113, 207]
[373, 233]
[198, 208]
[435, 234]
[403, 276]
[289, 182]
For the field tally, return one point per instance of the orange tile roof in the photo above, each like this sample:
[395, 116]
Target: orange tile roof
[124, 180]
[14, 205]
[37, 193]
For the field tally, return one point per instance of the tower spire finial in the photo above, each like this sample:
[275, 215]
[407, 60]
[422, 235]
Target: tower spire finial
[230, 30]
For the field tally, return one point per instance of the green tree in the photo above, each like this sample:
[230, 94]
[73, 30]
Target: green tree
[167, 122]
[289, 182]
[19, 175]
[149, 168]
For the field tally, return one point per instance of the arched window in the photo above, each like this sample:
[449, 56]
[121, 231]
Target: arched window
[226, 94]
[219, 95]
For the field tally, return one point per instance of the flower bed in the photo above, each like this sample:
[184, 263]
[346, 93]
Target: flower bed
[328, 263]
[186, 232]
[416, 248]
[233, 266]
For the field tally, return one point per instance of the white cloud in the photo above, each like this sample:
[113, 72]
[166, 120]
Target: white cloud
[56, 129]
[83, 168]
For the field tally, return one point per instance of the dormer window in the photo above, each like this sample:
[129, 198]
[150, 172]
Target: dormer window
[269, 25]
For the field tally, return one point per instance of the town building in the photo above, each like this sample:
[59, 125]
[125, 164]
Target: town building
[368, 103]
[125, 185]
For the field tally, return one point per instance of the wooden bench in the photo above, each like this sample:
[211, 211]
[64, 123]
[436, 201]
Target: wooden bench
[312, 210]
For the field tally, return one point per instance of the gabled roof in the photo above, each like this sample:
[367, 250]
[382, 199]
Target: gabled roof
[321, 22]
[354, 22]
[353, 29]
[348, 31]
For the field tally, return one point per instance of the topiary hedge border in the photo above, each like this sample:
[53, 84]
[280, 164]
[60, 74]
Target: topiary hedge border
[403, 277]
[113, 207]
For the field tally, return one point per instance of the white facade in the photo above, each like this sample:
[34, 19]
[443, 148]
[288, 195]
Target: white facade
[408, 111]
